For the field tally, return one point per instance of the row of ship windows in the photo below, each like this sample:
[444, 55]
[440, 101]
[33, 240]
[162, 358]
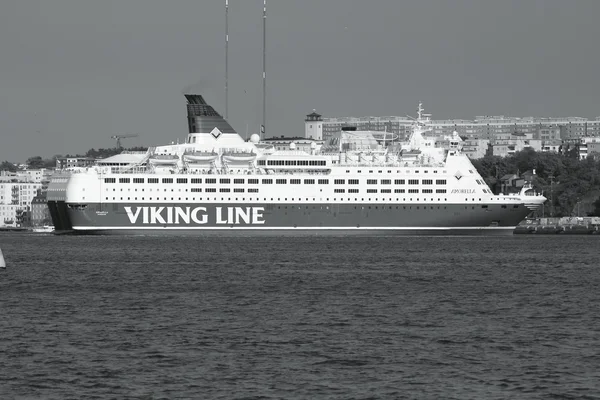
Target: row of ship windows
[293, 162]
[269, 181]
[320, 163]
[224, 190]
[299, 199]
[211, 190]
[271, 207]
[408, 171]
[390, 191]
[254, 190]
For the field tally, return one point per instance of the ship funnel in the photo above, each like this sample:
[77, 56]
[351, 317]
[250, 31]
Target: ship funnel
[203, 118]
[195, 99]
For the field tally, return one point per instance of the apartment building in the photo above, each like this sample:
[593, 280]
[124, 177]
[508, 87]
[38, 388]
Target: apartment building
[505, 135]
[16, 195]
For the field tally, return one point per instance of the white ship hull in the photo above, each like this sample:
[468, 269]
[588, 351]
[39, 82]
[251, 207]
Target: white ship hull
[419, 189]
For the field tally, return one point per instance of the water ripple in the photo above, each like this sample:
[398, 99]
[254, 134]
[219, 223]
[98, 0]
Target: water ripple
[323, 317]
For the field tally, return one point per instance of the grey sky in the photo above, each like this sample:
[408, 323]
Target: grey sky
[75, 72]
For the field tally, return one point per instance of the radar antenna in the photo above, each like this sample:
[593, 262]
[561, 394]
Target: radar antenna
[422, 119]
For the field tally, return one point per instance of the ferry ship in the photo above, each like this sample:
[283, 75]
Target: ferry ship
[218, 182]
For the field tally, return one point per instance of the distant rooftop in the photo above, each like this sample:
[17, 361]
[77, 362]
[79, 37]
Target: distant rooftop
[494, 119]
[285, 138]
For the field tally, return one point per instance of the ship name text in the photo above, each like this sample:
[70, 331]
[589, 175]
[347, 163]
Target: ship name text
[463, 191]
[196, 215]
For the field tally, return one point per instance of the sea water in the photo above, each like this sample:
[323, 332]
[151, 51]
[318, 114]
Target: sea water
[348, 317]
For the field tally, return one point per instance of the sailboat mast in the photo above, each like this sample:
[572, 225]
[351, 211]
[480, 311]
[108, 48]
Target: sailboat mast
[264, 121]
[226, 58]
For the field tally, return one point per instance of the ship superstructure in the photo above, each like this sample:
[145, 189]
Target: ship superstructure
[215, 180]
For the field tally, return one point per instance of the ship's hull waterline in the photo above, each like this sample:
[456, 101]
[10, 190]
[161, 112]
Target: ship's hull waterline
[256, 218]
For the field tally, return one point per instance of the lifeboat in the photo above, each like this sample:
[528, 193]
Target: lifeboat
[200, 157]
[239, 157]
[163, 159]
[385, 136]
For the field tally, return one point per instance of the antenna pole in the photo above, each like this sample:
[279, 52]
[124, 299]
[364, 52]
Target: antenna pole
[551, 195]
[264, 122]
[226, 58]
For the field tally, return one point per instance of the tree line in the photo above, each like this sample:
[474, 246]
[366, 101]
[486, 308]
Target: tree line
[571, 185]
[38, 162]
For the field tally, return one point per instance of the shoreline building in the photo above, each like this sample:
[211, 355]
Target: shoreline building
[313, 126]
[74, 162]
[40, 213]
[499, 134]
[312, 140]
[588, 146]
[17, 191]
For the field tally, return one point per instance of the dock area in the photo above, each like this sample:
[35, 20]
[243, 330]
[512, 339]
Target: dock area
[563, 225]
[12, 229]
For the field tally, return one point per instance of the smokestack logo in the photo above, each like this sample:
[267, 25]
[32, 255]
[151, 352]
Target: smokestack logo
[216, 132]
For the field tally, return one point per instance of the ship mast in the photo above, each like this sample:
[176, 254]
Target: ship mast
[226, 58]
[263, 127]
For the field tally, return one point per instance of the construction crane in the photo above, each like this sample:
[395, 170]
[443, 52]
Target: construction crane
[119, 137]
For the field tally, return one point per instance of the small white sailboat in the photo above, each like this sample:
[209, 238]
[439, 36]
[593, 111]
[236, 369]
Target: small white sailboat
[2, 262]
[43, 229]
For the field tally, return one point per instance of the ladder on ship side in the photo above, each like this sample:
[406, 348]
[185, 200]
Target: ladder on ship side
[149, 154]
